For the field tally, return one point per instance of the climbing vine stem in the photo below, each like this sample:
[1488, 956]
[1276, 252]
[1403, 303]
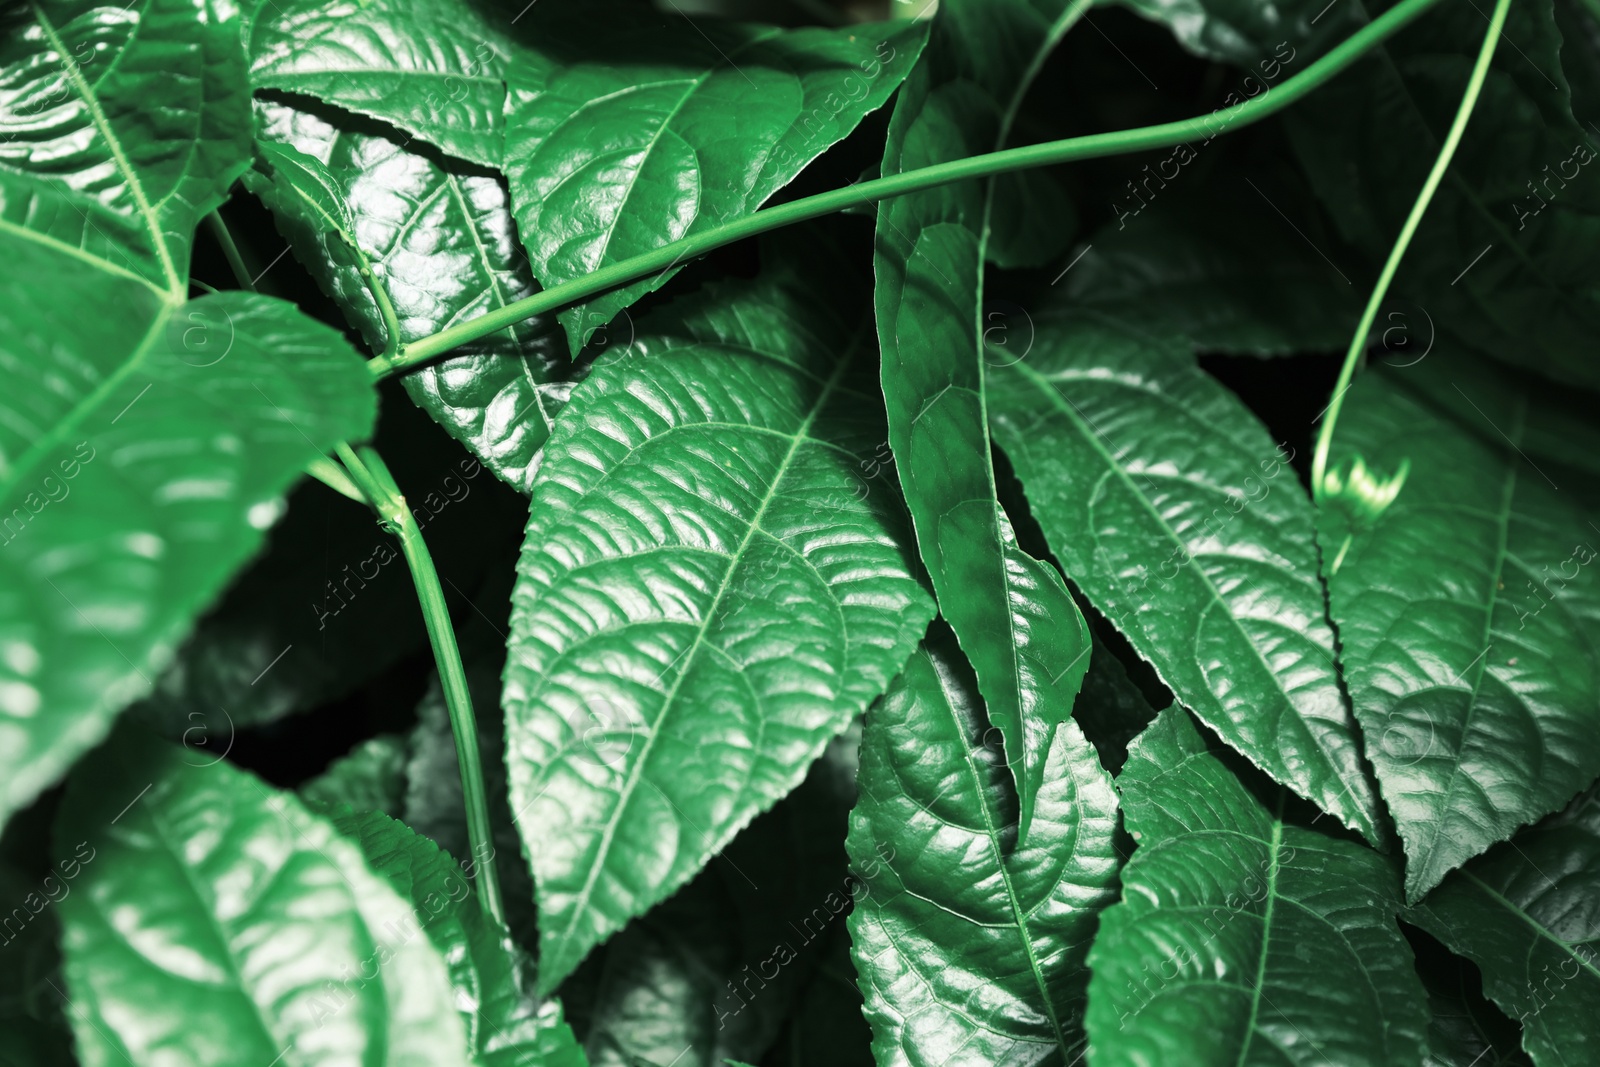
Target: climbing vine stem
[1118, 142]
[1370, 492]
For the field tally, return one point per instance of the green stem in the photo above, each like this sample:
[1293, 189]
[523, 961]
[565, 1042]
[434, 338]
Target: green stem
[1358, 343]
[373, 477]
[230, 251]
[1073, 148]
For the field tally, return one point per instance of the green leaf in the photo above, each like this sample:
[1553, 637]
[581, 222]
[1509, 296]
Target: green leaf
[438, 239]
[432, 68]
[218, 921]
[370, 777]
[705, 596]
[1504, 254]
[714, 971]
[1525, 915]
[1468, 613]
[145, 446]
[1241, 938]
[971, 943]
[144, 440]
[123, 126]
[1173, 511]
[649, 132]
[506, 1027]
[1012, 614]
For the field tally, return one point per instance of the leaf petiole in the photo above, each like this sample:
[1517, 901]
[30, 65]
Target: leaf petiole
[365, 478]
[368, 472]
[1071, 149]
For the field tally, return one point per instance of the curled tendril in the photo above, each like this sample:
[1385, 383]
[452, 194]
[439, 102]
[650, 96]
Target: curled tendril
[1362, 494]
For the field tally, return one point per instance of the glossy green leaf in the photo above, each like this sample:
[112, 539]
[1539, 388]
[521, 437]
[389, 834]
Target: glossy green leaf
[505, 1025]
[712, 973]
[146, 446]
[1468, 610]
[120, 127]
[706, 594]
[1504, 253]
[1525, 915]
[1012, 614]
[661, 127]
[971, 945]
[217, 921]
[1242, 938]
[370, 777]
[432, 68]
[1173, 511]
[144, 440]
[439, 240]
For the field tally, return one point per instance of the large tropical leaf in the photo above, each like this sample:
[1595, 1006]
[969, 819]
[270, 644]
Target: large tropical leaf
[1468, 611]
[144, 440]
[217, 921]
[1525, 913]
[505, 1025]
[1504, 254]
[146, 447]
[120, 127]
[1011, 613]
[438, 240]
[1242, 938]
[433, 68]
[706, 594]
[1170, 507]
[970, 944]
[649, 132]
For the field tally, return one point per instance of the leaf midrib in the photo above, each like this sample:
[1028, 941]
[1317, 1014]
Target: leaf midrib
[1533, 924]
[1021, 916]
[1116, 469]
[119, 157]
[580, 905]
[1276, 847]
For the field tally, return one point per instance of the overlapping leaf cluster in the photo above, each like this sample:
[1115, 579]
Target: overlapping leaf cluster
[920, 651]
